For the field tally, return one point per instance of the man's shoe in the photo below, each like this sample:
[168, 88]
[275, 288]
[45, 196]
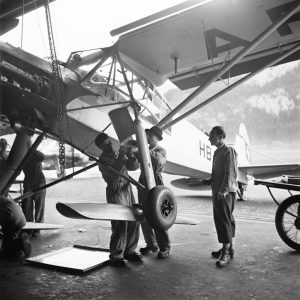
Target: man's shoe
[217, 254]
[224, 259]
[134, 257]
[163, 254]
[120, 263]
[25, 244]
[146, 250]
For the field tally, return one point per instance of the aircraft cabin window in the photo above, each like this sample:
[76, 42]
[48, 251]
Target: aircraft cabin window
[107, 80]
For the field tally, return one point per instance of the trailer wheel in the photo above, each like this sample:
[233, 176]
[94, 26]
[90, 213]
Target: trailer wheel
[287, 221]
[160, 208]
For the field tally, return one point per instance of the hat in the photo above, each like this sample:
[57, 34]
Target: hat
[155, 131]
[100, 139]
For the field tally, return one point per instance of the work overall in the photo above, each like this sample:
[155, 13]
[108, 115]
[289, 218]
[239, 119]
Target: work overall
[125, 235]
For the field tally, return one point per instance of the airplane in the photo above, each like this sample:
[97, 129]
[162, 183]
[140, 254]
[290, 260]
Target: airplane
[114, 89]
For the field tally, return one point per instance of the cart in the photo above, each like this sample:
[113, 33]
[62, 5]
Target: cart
[287, 218]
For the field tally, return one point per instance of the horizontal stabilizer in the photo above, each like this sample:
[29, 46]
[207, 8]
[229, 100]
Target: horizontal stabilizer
[269, 171]
[99, 211]
[193, 184]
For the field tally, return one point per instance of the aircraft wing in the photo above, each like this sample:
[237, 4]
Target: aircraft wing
[270, 171]
[177, 169]
[190, 42]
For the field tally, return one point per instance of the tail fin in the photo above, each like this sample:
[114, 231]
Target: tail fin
[242, 146]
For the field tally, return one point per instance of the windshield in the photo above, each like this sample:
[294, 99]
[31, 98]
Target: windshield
[107, 79]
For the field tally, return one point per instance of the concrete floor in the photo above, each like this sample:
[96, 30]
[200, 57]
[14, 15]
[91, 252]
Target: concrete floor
[263, 267]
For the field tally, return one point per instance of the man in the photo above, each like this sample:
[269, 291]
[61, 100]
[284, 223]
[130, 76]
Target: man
[125, 235]
[3, 147]
[155, 238]
[224, 187]
[3, 155]
[34, 206]
[12, 220]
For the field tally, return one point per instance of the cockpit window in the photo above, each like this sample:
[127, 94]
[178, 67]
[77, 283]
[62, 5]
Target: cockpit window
[108, 80]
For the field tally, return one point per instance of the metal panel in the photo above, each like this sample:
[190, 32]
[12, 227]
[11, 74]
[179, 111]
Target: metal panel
[73, 259]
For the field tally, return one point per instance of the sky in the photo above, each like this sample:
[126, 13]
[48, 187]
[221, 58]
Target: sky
[80, 24]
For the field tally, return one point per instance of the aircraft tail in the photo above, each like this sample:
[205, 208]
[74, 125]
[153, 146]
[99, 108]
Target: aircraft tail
[242, 146]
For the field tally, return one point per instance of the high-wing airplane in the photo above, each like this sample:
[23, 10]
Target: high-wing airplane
[192, 44]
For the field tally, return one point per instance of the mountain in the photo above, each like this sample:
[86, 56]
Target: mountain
[268, 104]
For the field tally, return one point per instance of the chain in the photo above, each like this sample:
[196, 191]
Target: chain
[57, 76]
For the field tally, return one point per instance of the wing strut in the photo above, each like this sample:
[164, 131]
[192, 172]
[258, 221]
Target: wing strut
[231, 63]
[146, 164]
[232, 86]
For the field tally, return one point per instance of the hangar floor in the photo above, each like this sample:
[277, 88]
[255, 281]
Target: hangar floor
[263, 267]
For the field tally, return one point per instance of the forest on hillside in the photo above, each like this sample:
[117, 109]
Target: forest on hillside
[270, 107]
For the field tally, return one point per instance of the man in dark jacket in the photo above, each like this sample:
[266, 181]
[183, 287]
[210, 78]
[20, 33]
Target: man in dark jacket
[34, 206]
[125, 235]
[3, 147]
[155, 238]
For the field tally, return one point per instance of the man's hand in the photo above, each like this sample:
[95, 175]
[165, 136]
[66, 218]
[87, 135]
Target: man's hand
[122, 150]
[221, 196]
[131, 151]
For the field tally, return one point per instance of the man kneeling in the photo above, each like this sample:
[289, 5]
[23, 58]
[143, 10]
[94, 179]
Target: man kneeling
[12, 220]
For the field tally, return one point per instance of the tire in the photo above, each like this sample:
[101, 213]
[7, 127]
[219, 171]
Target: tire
[160, 208]
[287, 221]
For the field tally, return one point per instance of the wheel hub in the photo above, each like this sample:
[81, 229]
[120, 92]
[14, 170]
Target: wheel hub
[297, 223]
[166, 208]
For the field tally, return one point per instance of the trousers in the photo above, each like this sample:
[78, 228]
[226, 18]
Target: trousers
[223, 217]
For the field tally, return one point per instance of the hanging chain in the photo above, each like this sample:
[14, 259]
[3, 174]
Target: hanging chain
[57, 77]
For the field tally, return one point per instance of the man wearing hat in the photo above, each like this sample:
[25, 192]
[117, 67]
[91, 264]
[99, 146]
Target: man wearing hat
[125, 235]
[223, 183]
[155, 238]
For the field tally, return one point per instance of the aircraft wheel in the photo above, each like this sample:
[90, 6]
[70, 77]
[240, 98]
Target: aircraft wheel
[287, 221]
[160, 208]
